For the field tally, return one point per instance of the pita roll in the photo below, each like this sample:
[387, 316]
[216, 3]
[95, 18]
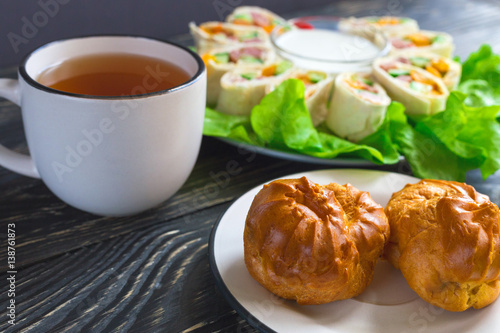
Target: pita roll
[243, 88]
[436, 42]
[256, 16]
[389, 25]
[358, 106]
[419, 91]
[220, 61]
[212, 35]
[444, 68]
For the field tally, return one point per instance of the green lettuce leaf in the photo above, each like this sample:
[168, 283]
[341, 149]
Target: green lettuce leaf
[423, 151]
[221, 124]
[228, 126]
[483, 64]
[282, 120]
[481, 78]
[472, 134]
[479, 93]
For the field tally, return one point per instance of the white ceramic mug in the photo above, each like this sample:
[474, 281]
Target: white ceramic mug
[109, 155]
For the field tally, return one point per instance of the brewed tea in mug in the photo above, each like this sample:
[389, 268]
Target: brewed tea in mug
[113, 74]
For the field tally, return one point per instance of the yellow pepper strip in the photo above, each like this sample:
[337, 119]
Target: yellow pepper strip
[206, 59]
[355, 84]
[213, 30]
[440, 65]
[416, 76]
[269, 70]
[304, 78]
[419, 39]
[269, 28]
[388, 21]
[433, 71]
[241, 21]
[218, 28]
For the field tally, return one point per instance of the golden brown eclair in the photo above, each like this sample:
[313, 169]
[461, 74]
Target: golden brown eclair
[445, 239]
[313, 244]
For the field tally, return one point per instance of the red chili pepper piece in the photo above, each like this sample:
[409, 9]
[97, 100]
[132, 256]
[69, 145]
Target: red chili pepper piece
[303, 25]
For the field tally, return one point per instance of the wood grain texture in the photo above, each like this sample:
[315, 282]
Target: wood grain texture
[155, 279]
[150, 272]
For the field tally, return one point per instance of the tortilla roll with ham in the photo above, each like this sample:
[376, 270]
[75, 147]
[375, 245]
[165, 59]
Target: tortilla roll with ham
[444, 68]
[318, 86]
[220, 61]
[255, 16]
[243, 88]
[389, 25]
[419, 91]
[210, 35]
[358, 106]
[436, 42]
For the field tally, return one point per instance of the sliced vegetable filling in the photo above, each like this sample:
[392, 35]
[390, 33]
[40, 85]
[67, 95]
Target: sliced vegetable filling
[311, 77]
[365, 88]
[436, 66]
[250, 55]
[413, 79]
[221, 33]
[268, 71]
[249, 76]
[387, 20]
[266, 22]
[416, 39]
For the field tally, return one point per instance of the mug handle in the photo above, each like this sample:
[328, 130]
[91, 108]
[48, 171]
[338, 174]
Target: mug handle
[20, 163]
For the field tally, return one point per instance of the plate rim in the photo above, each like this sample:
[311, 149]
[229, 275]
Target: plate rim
[219, 281]
[341, 162]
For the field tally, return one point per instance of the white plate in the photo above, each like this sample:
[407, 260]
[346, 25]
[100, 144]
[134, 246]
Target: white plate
[387, 305]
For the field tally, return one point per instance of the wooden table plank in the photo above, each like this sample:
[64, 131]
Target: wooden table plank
[153, 279]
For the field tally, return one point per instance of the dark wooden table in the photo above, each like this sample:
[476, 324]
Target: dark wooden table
[150, 272]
